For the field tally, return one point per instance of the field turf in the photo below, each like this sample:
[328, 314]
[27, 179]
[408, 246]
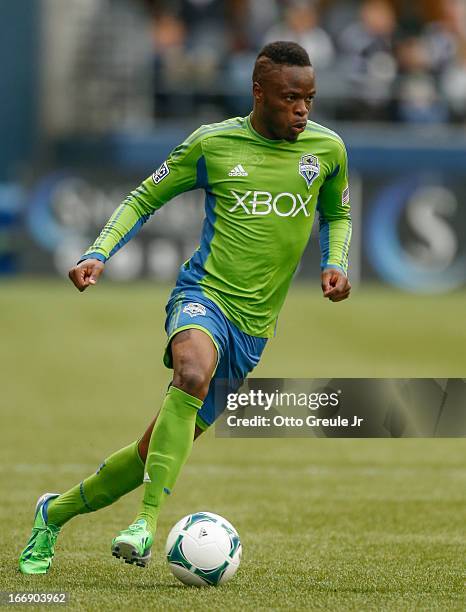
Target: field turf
[325, 524]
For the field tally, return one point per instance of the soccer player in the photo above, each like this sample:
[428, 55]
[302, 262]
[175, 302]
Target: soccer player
[264, 177]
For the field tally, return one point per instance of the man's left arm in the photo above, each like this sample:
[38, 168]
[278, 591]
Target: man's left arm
[335, 230]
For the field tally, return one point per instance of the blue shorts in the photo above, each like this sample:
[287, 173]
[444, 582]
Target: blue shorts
[237, 352]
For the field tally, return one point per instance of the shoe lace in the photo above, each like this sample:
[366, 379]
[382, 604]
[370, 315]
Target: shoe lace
[46, 538]
[136, 528]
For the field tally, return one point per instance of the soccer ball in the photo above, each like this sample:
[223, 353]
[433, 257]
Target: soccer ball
[203, 549]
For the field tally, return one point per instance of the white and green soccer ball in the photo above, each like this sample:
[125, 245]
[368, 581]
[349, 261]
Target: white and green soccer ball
[203, 549]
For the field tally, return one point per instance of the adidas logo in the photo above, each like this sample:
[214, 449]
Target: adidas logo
[146, 477]
[202, 532]
[238, 171]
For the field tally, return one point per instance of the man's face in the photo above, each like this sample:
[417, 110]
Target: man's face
[284, 99]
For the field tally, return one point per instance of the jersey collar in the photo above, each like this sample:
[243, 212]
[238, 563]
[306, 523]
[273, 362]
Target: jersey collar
[262, 138]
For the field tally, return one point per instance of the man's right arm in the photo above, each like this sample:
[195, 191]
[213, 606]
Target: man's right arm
[182, 171]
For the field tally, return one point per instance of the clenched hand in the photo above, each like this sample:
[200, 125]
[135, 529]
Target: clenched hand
[86, 273]
[335, 285]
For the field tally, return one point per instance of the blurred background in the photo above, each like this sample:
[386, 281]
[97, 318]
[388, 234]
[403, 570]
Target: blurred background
[95, 93]
[93, 96]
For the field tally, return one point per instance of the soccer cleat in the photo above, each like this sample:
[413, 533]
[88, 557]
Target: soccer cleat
[37, 557]
[134, 544]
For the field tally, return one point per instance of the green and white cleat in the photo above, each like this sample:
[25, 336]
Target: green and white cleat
[134, 544]
[37, 557]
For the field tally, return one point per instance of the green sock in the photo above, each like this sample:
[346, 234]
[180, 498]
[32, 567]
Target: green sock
[169, 447]
[119, 474]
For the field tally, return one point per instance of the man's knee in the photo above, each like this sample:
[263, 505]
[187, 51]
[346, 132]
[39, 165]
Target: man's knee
[192, 380]
[194, 359]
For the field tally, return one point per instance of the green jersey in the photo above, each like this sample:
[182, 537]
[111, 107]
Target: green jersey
[261, 197]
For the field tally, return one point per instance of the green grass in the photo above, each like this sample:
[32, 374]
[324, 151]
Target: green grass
[325, 524]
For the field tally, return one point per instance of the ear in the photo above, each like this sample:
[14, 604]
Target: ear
[257, 91]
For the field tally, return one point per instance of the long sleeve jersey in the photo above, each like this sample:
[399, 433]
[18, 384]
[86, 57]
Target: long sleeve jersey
[260, 200]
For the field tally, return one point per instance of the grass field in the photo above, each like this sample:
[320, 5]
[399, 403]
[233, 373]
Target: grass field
[325, 524]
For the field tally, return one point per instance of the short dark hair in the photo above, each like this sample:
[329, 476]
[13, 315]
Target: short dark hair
[281, 52]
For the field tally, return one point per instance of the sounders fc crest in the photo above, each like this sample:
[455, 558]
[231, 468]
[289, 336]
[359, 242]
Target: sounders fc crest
[194, 309]
[309, 168]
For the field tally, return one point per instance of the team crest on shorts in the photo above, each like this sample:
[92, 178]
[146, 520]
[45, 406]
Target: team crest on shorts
[194, 309]
[309, 168]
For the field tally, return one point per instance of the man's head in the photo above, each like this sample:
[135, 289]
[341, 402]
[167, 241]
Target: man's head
[283, 89]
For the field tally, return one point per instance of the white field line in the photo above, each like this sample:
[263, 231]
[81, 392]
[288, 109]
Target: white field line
[240, 469]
